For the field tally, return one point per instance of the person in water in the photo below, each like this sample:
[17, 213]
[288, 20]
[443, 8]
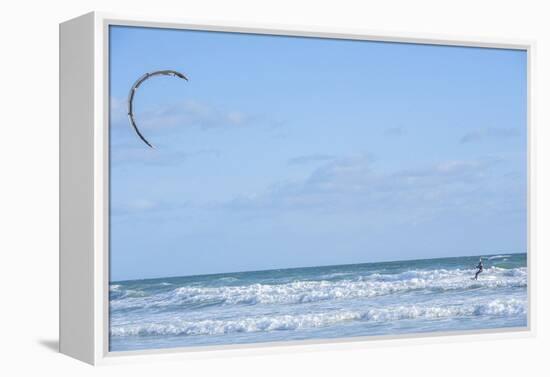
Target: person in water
[479, 268]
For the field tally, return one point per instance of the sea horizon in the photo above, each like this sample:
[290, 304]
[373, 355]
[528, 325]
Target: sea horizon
[306, 267]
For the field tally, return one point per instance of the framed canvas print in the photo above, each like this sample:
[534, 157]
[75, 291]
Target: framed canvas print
[226, 187]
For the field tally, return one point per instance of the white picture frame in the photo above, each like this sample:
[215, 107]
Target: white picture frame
[84, 189]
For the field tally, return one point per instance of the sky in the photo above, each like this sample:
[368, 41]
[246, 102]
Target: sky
[291, 152]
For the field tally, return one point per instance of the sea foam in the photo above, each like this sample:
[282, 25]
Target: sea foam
[308, 291]
[495, 308]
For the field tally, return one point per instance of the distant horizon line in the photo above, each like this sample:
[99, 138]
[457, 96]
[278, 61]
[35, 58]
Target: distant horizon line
[303, 267]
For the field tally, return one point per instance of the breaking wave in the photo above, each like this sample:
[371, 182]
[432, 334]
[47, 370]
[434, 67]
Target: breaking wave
[309, 291]
[495, 308]
[498, 257]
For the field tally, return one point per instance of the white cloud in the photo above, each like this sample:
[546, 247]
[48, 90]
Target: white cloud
[139, 153]
[188, 113]
[309, 158]
[354, 184]
[471, 137]
[490, 133]
[394, 131]
[135, 207]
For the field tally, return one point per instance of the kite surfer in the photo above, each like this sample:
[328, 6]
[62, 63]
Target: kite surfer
[479, 269]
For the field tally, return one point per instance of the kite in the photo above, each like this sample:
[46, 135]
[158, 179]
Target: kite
[133, 92]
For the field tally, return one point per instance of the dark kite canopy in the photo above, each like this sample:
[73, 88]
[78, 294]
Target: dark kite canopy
[133, 92]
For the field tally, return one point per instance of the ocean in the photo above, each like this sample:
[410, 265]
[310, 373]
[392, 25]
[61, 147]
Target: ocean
[390, 298]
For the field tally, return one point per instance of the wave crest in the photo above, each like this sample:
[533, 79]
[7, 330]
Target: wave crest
[495, 308]
[298, 292]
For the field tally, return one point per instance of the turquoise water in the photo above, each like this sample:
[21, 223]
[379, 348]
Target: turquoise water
[389, 298]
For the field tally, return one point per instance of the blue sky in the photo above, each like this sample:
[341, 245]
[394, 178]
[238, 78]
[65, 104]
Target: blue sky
[285, 152]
